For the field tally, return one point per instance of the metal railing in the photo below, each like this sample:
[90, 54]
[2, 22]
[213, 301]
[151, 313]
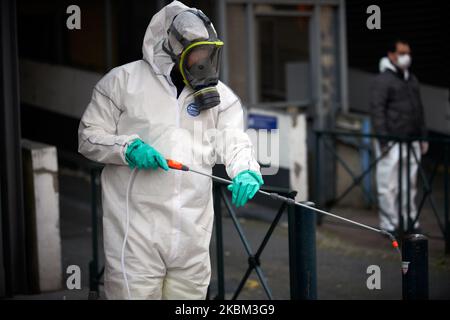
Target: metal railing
[94, 169]
[301, 240]
[95, 271]
[323, 144]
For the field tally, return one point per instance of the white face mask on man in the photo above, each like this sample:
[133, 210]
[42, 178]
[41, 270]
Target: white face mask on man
[404, 61]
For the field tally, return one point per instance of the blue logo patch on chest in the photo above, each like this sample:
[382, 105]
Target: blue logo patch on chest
[193, 109]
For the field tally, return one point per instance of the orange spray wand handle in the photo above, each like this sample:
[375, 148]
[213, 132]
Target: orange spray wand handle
[176, 165]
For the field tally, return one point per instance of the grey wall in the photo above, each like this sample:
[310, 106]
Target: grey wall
[60, 89]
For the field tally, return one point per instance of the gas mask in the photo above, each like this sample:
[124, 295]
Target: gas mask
[199, 63]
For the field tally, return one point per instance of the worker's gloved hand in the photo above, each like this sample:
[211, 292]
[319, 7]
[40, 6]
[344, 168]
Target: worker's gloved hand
[141, 155]
[244, 187]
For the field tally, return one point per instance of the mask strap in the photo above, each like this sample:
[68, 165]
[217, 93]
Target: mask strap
[208, 25]
[178, 36]
[169, 51]
[212, 35]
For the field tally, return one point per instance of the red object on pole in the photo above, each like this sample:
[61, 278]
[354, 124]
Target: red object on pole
[176, 165]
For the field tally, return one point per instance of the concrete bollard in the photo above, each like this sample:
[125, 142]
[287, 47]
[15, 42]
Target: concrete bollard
[40, 170]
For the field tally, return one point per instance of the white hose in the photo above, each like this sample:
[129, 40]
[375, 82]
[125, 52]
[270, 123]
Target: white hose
[125, 237]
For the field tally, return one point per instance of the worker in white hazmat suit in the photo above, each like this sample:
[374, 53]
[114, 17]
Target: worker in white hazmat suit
[145, 112]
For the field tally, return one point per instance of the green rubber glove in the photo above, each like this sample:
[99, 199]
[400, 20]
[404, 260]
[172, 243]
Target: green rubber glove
[141, 155]
[244, 187]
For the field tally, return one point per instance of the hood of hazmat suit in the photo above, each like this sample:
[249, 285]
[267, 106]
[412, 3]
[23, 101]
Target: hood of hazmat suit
[170, 213]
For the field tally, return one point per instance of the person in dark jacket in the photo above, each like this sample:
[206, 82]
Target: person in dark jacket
[397, 111]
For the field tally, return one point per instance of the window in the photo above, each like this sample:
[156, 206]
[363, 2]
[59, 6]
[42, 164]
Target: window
[282, 50]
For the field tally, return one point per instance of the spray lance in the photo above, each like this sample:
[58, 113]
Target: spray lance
[175, 165]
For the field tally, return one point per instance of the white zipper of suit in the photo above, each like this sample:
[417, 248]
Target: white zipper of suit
[177, 204]
[175, 243]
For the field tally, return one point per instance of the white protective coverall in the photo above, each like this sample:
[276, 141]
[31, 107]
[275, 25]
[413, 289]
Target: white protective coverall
[171, 213]
[388, 188]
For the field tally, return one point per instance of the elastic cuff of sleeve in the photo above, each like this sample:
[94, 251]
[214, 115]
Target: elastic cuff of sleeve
[123, 149]
[257, 176]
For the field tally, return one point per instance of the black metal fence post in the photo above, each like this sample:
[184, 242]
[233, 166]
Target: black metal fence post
[93, 264]
[219, 242]
[415, 267]
[446, 198]
[302, 253]
[401, 222]
[409, 226]
[318, 178]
